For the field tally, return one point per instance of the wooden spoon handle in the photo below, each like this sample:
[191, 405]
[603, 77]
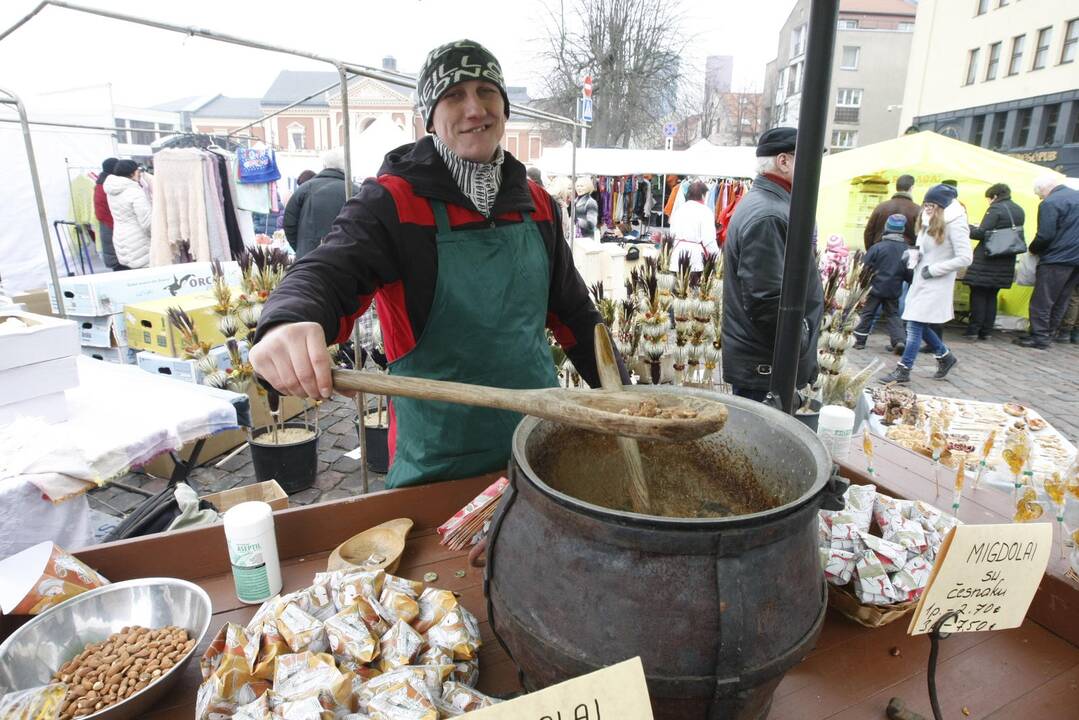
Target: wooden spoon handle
[424, 389]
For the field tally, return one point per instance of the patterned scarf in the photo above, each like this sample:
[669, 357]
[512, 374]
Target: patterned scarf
[479, 181]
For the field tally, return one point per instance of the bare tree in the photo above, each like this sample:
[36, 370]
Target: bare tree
[738, 116]
[632, 49]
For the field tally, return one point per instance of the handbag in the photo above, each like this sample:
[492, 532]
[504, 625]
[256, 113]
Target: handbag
[1005, 241]
[1027, 271]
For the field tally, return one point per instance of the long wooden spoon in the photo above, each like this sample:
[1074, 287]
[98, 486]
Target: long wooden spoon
[688, 417]
[611, 379]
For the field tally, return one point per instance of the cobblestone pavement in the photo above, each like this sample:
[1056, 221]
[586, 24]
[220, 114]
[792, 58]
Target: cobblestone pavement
[994, 370]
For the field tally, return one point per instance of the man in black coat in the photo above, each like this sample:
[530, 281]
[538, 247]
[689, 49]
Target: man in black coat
[311, 210]
[753, 275]
[987, 276]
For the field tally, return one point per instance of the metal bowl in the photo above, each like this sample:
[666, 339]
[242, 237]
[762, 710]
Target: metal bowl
[30, 656]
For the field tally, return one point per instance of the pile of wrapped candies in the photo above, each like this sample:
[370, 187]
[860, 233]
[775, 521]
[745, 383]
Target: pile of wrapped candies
[360, 645]
[882, 548]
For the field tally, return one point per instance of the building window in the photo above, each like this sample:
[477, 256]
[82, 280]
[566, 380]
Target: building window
[121, 135]
[511, 144]
[1075, 128]
[977, 130]
[794, 79]
[906, 27]
[844, 139]
[535, 147]
[142, 138]
[1000, 119]
[993, 63]
[1016, 63]
[848, 24]
[297, 137]
[798, 41]
[847, 104]
[1071, 39]
[983, 7]
[972, 66]
[1052, 118]
[166, 127]
[850, 58]
[1041, 53]
[1021, 138]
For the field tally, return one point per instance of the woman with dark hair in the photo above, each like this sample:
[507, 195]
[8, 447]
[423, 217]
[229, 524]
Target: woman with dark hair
[986, 275]
[304, 177]
[104, 217]
[131, 213]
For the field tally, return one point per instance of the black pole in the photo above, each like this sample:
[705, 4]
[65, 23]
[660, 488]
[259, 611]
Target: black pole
[798, 258]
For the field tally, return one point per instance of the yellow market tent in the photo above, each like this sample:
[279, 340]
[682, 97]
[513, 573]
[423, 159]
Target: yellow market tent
[853, 182]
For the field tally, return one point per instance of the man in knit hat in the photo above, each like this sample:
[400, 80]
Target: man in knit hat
[466, 260]
[753, 275]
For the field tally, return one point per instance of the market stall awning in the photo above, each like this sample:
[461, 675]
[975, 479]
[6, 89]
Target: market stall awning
[710, 161]
[853, 183]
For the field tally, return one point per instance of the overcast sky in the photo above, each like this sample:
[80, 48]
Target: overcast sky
[61, 49]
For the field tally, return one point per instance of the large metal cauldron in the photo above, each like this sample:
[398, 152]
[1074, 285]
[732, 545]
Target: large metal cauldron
[717, 608]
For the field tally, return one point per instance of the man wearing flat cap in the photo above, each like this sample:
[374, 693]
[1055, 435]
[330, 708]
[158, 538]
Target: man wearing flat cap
[465, 259]
[753, 275]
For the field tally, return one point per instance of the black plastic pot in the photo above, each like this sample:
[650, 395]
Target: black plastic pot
[293, 466]
[378, 449]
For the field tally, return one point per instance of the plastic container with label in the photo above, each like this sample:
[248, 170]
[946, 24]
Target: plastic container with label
[256, 570]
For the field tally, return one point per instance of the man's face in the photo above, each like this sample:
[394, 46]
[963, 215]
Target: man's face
[470, 118]
[785, 165]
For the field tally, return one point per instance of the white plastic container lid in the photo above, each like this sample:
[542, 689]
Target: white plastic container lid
[835, 417]
[254, 516]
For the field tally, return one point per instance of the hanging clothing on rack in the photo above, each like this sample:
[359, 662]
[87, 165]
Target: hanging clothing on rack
[189, 206]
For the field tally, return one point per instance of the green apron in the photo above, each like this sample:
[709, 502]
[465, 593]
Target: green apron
[486, 328]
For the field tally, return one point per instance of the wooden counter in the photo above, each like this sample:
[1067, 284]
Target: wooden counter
[851, 674]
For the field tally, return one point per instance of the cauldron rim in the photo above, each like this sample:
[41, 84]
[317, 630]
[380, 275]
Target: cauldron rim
[798, 429]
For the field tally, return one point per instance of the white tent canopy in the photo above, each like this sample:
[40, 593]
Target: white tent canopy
[703, 159]
[369, 147]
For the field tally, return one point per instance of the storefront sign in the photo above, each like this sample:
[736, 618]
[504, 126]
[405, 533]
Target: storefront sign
[618, 692]
[988, 574]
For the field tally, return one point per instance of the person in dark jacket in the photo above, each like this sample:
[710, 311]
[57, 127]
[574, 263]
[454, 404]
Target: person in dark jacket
[885, 259]
[1057, 248]
[903, 203]
[465, 259]
[986, 275]
[753, 275]
[311, 210]
[104, 216]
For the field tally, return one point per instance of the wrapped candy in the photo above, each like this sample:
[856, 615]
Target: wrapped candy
[435, 655]
[466, 671]
[397, 696]
[839, 565]
[39, 703]
[412, 588]
[458, 699]
[847, 536]
[257, 710]
[300, 629]
[307, 708]
[347, 587]
[910, 581]
[304, 674]
[399, 646]
[824, 531]
[349, 637]
[399, 604]
[264, 626]
[231, 657]
[892, 556]
[458, 632]
[873, 582]
[860, 504]
[433, 606]
[317, 600]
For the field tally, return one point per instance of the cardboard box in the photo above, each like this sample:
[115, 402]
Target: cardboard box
[43, 378]
[185, 370]
[122, 355]
[148, 326]
[35, 301]
[268, 492]
[222, 442]
[108, 293]
[39, 338]
[101, 330]
[52, 408]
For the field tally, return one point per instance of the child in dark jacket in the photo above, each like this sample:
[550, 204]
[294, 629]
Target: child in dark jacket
[885, 258]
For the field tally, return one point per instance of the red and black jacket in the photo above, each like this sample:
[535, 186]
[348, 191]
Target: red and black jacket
[382, 246]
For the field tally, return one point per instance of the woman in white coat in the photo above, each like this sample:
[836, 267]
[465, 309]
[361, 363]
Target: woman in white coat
[131, 215]
[942, 250]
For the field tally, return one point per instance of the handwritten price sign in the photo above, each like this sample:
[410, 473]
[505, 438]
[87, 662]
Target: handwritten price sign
[986, 573]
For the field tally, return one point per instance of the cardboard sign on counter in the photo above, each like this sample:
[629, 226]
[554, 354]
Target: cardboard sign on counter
[615, 692]
[988, 573]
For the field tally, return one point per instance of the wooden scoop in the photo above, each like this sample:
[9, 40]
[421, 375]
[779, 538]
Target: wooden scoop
[611, 379]
[600, 411]
[377, 548]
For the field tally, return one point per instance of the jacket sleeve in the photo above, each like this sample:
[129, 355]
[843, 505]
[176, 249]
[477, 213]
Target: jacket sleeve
[872, 227]
[760, 270]
[958, 236]
[292, 216]
[571, 315]
[1048, 219]
[989, 222]
[333, 284]
[141, 207]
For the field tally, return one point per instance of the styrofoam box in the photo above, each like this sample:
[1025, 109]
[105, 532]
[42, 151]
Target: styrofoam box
[122, 355]
[37, 379]
[107, 293]
[44, 338]
[102, 330]
[51, 408]
[176, 368]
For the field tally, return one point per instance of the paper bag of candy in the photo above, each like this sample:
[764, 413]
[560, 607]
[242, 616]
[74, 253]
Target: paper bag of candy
[41, 577]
